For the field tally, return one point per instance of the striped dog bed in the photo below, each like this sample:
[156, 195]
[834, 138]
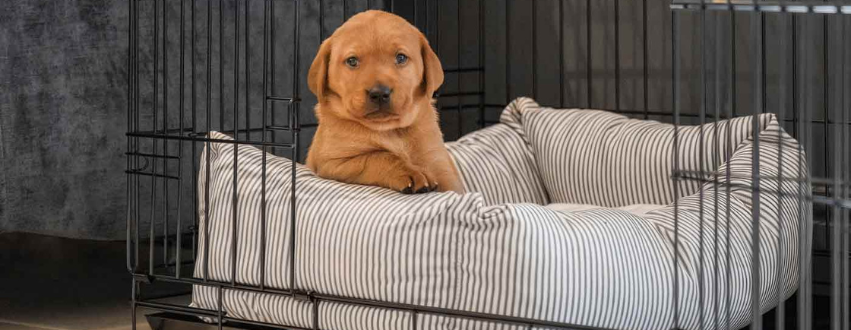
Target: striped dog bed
[499, 250]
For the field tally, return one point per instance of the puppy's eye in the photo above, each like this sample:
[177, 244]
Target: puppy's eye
[352, 62]
[401, 59]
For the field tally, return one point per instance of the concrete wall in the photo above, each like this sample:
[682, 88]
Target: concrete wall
[62, 116]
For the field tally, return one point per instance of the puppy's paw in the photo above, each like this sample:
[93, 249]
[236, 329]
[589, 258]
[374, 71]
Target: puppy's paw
[419, 183]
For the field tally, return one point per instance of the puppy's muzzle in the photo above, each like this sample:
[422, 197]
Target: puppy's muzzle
[379, 95]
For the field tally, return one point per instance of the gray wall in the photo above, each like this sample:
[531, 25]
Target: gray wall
[62, 116]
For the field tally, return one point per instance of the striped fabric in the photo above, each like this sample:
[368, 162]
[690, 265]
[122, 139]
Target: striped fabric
[498, 250]
[632, 160]
[500, 157]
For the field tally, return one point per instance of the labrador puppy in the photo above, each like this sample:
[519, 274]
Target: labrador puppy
[374, 79]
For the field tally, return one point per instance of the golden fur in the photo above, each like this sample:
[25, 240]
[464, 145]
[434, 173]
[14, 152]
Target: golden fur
[397, 145]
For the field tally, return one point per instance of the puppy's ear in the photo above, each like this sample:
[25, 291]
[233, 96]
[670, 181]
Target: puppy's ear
[432, 70]
[317, 78]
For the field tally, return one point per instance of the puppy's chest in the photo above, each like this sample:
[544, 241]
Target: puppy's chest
[406, 146]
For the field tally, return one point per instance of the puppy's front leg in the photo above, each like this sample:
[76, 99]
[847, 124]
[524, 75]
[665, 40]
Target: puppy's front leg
[378, 168]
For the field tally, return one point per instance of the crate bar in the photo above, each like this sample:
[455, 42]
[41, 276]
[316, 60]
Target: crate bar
[128, 144]
[427, 19]
[210, 140]
[780, 313]
[826, 101]
[645, 69]
[246, 45]
[214, 283]
[588, 63]
[437, 23]
[315, 297]
[178, 241]
[560, 53]
[136, 122]
[294, 120]
[155, 142]
[808, 115]
[235, 192]
[824, 199]
[507, 51]
[458, 61]
[534, 24]
[625, 72]
[831, 201]
[839, 308]
[701, 160]
[220, 310]
[209, 83]
[827, 7]
[179, 309]
[453, 313]
[222, 68]
[464, 69]
[756, 262]
[805, 135]
[284, 99]
[264, 134]
[152, 174]
[846, 192]
[482, 63]
[272, 66]
[165, 127]
[241, 322]
[793, 68]
[675, 81]
[273, 128]
[716, 45]
[134, 295]
[321, 22]
[460, 94]
[129, 161]
[617, 55]
[820, 199]
[315, 313]
[731, 112]
[135, 201]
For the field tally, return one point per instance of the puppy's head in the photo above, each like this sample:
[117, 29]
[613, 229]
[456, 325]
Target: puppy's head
[376, 69]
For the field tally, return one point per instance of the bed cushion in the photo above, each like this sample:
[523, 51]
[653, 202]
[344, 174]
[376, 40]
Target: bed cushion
[607, 159]
[500, 156]
[601, 267]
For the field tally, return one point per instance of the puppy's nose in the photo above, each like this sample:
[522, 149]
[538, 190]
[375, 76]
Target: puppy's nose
[379, 94]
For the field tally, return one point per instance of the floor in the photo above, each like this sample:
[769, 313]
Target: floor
[57, 283]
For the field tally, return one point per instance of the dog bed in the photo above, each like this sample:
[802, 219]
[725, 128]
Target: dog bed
[603, 256]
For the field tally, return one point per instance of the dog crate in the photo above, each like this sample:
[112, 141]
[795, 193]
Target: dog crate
[239, 67]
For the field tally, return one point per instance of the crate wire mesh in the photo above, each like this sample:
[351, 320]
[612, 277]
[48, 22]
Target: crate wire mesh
[782, 74]
[238, 68]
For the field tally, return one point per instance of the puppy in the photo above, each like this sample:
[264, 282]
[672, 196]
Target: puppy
[374, 79]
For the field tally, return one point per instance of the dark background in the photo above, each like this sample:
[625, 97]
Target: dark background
[62, 116]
